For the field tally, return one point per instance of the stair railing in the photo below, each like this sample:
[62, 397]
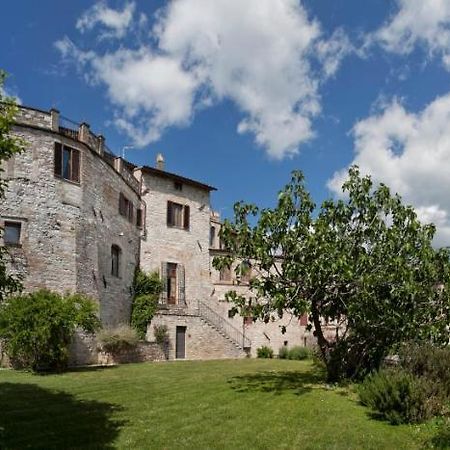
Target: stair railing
[217, 321]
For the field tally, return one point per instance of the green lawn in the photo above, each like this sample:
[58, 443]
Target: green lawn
[261, 404]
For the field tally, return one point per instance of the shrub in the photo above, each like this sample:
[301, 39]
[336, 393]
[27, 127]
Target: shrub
[299, 353]
[442, 437]
[398, 396]
[114, 340]
[283, 352]
[146, 290]
[430, 362]
[37, 328]
[161, 334]
[264, 352]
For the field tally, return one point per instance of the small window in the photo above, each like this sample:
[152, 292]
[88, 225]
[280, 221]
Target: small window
[67, 163]
[115, 260]
[139, 218]
[248, 320]
[11, 233]
[212, 236]
[225, 274]
[246, 272]
[178, 186]
[178, 215]
[126, 207]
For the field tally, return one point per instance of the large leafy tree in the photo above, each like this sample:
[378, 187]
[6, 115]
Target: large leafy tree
[9, 146]
[364, 264]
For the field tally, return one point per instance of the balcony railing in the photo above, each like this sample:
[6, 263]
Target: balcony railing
[223, 325]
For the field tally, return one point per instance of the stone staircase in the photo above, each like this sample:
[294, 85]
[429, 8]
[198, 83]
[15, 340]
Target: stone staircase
[223, 327]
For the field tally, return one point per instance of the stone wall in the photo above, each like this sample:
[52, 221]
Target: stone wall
[202, 340]
[169, 244]
[68, 228]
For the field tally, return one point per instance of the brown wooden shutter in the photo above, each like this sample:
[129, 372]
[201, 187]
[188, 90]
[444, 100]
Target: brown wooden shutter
[75, 166]
[169, 214]
[58, 159]
[130, 212]
[164, 282]
[139, 217]
[181, 284]
[121, 204]
[186, 217]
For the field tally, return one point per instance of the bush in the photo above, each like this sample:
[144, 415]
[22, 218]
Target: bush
[264, 352]
[299, 353]
[161, 334]
[283, 352]
[430, 362]
[114, 340]
[442, 437]
[37, 328]
[146, 290]
[399, 396]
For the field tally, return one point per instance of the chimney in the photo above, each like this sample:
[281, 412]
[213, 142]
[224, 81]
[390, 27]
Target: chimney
[160, 161]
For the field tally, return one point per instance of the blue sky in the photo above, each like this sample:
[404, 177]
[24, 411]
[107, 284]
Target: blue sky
[238, 94]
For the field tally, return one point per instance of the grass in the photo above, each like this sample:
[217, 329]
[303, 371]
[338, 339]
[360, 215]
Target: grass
[248, 404]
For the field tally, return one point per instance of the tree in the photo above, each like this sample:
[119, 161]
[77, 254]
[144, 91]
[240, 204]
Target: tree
[9, 146]
[37, 328]
[365, 264]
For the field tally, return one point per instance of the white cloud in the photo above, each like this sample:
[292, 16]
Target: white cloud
[410, 152]
[267, 56]
[424, 22]
[6, 92]
[116, 22]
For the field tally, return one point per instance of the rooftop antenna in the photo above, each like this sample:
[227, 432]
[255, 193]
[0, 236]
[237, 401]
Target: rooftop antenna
[126, 147]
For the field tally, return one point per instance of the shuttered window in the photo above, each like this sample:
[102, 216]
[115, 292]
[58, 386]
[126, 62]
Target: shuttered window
[67, 163]
[178, 215]
[126, 208]
[173, 284]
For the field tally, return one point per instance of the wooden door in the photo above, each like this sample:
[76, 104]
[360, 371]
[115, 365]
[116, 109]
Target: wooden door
[180, 347]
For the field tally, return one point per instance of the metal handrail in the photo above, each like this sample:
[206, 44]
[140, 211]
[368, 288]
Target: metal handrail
[216, 320]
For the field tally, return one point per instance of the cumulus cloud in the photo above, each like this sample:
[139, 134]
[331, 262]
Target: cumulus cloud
[423, 22]
[266, 56]
[410, 152]
[114, 23]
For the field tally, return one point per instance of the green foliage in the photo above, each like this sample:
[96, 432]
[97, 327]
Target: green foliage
[161, 333]
[365, 264]
[114, 340]
[398, 396]
[442, 437]
[146, 289]
[37, 328]
[264, 352]
[283, 352]
[9, 146]
[295, 353]
[430, 362]
[299, 353]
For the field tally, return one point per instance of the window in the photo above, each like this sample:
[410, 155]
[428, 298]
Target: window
[178, 186]
[139, 223]
[173, 283]
[225, 274]
[177, 215]
[248, 320]
[212, 236]
[11, 233]
[115, 260]
[246, 272]
[126, 207]
[67, 163]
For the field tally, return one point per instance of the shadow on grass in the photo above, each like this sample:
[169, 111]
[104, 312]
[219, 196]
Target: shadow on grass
[33, 417]
[277, 382]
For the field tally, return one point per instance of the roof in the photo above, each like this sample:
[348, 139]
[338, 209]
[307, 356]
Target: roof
[172, 176]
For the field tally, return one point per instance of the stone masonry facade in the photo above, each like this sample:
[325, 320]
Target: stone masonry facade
[83, 220]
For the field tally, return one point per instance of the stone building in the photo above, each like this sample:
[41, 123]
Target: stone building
[78, 218]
